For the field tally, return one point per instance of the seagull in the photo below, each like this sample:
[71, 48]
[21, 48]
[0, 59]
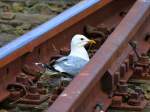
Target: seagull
[75, 61]
[78, 57]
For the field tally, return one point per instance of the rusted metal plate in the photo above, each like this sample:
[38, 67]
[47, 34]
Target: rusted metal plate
[81, 88]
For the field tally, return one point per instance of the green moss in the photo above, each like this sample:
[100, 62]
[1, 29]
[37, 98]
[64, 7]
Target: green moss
[19, 31]
[6, 28]
[30, 3]
[17, 7]
[40, 8]
[56, 8]
[25, 26]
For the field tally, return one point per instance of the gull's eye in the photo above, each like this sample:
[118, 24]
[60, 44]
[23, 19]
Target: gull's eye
[82, 38]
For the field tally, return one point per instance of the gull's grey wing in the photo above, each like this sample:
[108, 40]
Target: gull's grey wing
[72, 65]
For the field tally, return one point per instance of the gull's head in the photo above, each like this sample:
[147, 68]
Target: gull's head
[80, 40]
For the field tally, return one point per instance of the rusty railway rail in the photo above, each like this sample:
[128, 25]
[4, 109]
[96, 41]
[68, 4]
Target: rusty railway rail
[85, 91]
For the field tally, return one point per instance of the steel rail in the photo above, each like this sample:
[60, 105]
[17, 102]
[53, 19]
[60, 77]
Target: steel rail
[82, 90]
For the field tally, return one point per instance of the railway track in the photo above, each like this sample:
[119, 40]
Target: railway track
[107, 21]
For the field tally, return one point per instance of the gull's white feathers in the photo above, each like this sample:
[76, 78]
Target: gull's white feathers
[77, 47]
[77, 58]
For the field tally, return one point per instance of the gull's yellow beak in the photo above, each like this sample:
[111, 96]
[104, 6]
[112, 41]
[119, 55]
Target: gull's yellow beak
[92, 42]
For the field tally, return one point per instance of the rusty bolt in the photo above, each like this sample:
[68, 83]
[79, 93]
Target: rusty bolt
[122, 82]
[134, 95]
[122, 70]
[123, 88]
[42, 91]
[131, 60]
[138, 71]
[33, 89]
[126, 62]
[144, 60]
[33, 96]
[117, 100]
[141, 97]
[22, 78]
[39, 84]
[134, 102]
[116, 78]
